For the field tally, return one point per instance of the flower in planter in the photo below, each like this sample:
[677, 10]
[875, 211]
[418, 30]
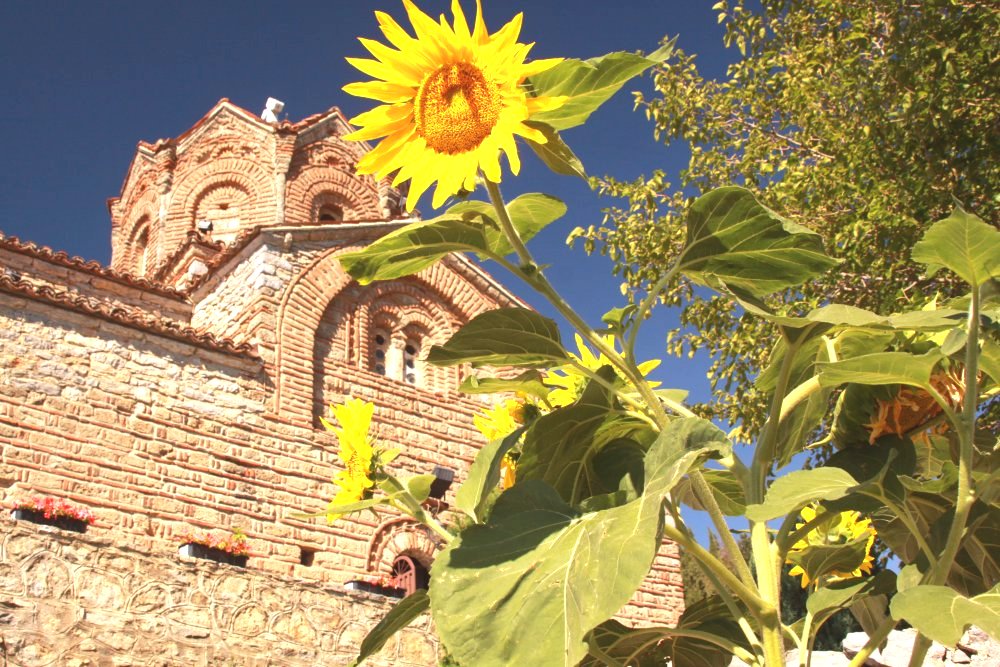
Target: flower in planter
[55, 508]
[234, 543]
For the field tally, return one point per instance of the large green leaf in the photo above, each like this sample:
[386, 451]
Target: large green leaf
[821, 559]
[528, 382]
[401, 615]
[943, 614]
[964, 243]
[616, 644]
[503, 337]
[559, 448]
[413, 248]
[734, 241]
[882, 368]
[827, 600]
[540, 569]
[484, 475]
[587, 84]
[797, 489]
[466, 227]
[726, 488]
[556, 155]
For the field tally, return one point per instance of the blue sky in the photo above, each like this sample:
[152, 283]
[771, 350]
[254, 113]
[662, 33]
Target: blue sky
[83, 82]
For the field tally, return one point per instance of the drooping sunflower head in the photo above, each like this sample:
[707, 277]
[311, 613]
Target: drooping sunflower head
[452, 101]
[845, 529]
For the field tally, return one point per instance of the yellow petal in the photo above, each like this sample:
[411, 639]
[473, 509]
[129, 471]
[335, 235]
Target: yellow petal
[383, 91]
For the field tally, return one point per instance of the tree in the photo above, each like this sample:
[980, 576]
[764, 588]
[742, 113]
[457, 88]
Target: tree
[861, 120]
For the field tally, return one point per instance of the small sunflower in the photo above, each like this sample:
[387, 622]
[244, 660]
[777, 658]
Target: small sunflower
[501, 420]
[568, 381]
[842, 528]
[452, 101]
[360, 458]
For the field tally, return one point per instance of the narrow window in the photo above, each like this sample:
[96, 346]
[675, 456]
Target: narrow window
[411, 372]
[142, 253]
[380, 345]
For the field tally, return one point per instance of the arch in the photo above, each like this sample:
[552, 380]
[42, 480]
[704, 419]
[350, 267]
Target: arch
[143, 211]
[225, 204]
[397, 537]
[191, 187]
[358, 197]
[298, 320]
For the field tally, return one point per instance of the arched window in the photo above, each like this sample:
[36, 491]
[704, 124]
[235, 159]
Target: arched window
[330, 213]
[380, 352]
[410, 574]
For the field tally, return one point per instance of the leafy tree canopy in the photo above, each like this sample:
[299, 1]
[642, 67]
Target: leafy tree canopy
[864, 121]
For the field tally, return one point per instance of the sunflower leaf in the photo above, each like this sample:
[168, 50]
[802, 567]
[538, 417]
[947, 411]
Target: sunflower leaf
[734, 241]
[539, 567]
[401, 615]
[503, 337]
[882, 368]
[528, 382]
[587, 84]
[484, 475]
[964, 243]
[797, 489]
[943, 614]
[556, 155]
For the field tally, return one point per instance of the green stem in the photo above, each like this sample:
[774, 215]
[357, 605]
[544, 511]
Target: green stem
[533, 275]
[704, 493]
[647, 305]
[797, 395]
[724, 595]
[920, 646]
[876, 638]
[764, 552]
[749, 596]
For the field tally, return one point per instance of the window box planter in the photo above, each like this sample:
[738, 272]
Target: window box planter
[62, 522]
[191, 550]
[367, 587]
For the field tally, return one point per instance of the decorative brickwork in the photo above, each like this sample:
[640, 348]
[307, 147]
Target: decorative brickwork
[189, 400]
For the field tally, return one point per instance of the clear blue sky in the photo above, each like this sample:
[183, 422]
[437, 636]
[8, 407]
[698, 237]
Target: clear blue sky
[84, 81]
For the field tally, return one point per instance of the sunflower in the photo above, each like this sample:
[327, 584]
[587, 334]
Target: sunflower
[568, 381]
[452, 101]
[843, 528]
[360, 458]
[913, 406]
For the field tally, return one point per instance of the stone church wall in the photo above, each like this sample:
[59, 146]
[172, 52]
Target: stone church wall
[72, 600]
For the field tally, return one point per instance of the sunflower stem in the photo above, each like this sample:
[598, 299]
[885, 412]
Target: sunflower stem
[537, 280]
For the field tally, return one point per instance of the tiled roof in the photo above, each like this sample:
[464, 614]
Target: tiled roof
[124, 315]
[90, 267]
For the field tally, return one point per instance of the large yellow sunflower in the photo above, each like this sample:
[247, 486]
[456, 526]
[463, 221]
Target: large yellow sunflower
[452, 101]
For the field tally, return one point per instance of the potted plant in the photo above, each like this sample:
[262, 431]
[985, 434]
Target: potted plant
[231, 549]
[57, 512]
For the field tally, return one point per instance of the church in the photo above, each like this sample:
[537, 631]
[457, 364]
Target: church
[178, 392]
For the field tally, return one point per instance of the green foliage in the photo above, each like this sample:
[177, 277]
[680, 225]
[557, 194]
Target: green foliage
[503, 337]
[944, 615]
[587, 84]
[401, 615]
[861, 121]
[534, 572]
